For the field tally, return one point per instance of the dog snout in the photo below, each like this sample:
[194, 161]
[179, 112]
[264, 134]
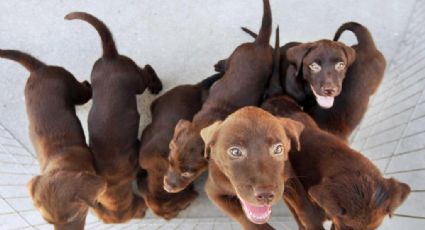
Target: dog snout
[171, 183]
[264, 193]
[329, 90]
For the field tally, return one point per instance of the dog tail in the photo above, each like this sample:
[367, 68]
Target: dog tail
[209, 81]
[249, 32]
[263, 37]
[26, 60]
[108, 44]
[364, 38]
[275, 87]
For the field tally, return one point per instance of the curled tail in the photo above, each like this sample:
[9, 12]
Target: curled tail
[108, 44]
[209, 81]
[364, 38]
[263, 37]
[28, 61]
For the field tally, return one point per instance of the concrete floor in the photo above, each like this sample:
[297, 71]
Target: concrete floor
[181, 40]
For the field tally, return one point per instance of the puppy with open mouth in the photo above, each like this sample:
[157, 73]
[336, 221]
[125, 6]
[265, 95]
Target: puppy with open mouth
[247, 154]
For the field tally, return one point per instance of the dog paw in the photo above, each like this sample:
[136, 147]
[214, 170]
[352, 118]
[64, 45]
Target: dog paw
[155, 84]
[220, 66]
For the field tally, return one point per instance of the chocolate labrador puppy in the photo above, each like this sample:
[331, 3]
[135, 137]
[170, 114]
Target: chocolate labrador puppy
[181, 102]
[363, 79]
[312, 73]
[68, 184]
[114, 122]
[247, 153]
[344, 185]
[248, 68]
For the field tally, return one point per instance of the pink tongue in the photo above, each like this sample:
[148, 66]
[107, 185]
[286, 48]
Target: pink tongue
[257, 210]
[325, 102]
[257, 214]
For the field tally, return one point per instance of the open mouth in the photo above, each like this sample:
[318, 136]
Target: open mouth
[256, 214]
[325, 102]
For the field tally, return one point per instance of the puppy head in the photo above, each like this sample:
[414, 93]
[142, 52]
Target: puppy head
[186, 159]
[250, 148]
[359, 201]
[63, 197]
[323, 64]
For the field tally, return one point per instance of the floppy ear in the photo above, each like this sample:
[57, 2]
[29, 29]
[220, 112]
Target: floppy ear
[208, 135]
[89, 187]
[398, 194]
[296, 54]
[321, 194]
[180, 126]
[31, 185]
[350, 53]
[293, 130]
[293, 86]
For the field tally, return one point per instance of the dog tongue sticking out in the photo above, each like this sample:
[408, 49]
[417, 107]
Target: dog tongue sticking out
[325, 102]
[256, 214]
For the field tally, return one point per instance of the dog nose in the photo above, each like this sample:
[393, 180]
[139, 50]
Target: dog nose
[328, 90]
[264, 193]
[265, 196]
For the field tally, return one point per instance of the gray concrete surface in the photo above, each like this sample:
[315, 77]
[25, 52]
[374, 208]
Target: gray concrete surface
[181, 40]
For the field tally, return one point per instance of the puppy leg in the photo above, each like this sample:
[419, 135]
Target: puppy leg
[305, 213]
[152, 80]
[81, 92]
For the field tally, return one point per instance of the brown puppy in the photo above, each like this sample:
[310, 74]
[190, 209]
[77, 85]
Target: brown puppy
[312, 73]
[247, 153]
[363, 79]
[67, 184]
[181, 102]
[114, 122]
[345, 185]
[248, 68]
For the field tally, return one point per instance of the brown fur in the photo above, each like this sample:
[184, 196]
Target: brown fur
[295, 76]
[113, 124]
[345, 185]
[67, 184]
[363, 79]
[248, 68]
[256, 177]
[181, 102]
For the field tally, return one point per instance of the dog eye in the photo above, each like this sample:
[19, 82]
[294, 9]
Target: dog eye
[278, 149]
[340, 66]
[187, 174]
[235, 152]
[315, 67]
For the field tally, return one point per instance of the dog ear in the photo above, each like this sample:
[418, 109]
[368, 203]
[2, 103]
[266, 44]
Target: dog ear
[293, 131]
[293, 86]
[398, 194]
[350, 53]
[89, 187]
[181, 126]
[209, 135]
[32, 185]
[322, 195]
[296, 54]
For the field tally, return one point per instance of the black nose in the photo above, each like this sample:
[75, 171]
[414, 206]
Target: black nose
[329, 91]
